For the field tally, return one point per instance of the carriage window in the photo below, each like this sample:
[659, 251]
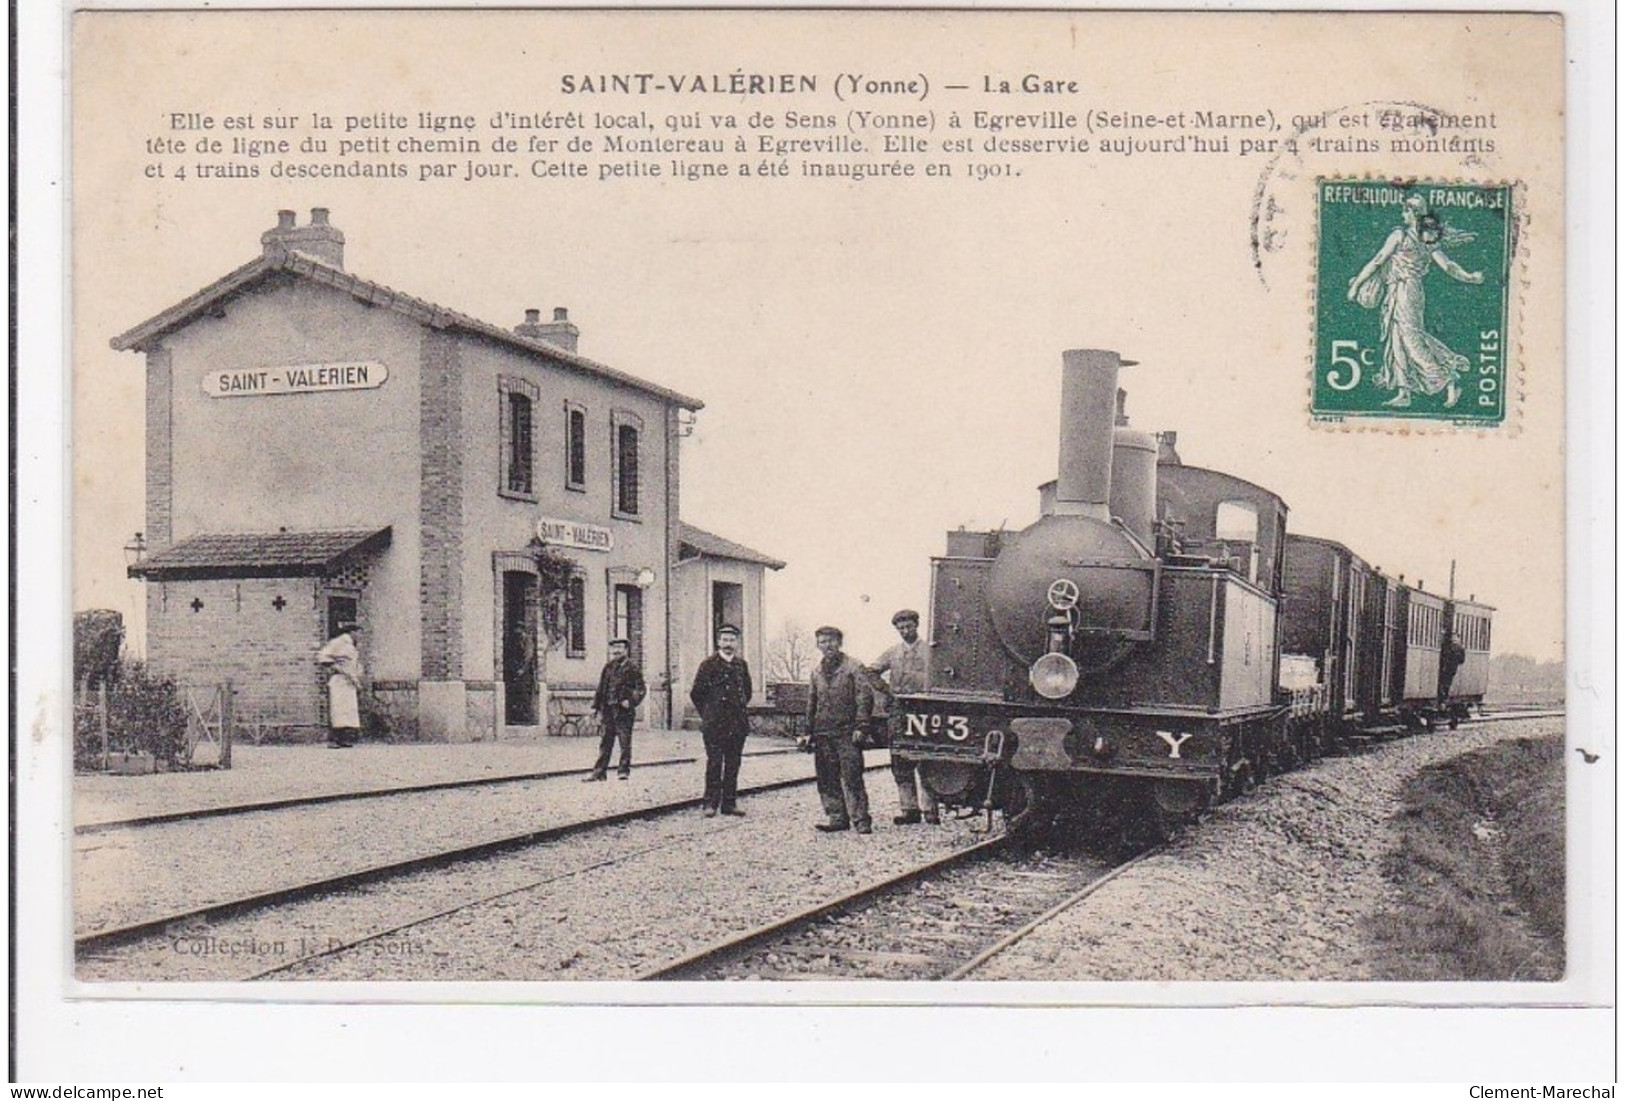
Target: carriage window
[1236, 520]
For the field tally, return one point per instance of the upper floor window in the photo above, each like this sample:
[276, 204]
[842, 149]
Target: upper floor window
[518, 438]
[575, 446]
[626, 433]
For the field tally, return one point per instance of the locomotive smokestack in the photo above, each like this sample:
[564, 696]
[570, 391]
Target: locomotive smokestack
[1088, 414]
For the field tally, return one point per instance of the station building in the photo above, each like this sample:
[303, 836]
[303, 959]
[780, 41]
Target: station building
[718, 581]
[322, 448]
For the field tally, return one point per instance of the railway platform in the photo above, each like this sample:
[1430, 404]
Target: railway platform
[272, 773]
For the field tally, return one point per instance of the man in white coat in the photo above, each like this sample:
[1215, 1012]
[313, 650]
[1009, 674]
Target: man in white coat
[343, 662]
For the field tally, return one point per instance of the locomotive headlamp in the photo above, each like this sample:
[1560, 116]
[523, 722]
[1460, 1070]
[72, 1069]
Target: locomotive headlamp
[1053, 676]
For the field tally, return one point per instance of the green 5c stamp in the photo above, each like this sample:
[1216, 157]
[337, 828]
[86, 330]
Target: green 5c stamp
[1411, 301]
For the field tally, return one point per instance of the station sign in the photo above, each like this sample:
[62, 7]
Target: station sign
[295, 378]
[570, 533]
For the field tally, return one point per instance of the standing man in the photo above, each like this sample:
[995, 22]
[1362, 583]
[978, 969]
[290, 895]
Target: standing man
[903, 666]
[838, 706]
[620, 690]
[344, 672]
[721, 694]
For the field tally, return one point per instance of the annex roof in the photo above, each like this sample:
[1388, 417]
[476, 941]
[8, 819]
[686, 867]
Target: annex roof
[305, 266]
[715, 546]
[259, 554]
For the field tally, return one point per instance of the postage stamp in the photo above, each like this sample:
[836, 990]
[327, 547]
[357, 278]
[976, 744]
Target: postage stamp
[1412, 301]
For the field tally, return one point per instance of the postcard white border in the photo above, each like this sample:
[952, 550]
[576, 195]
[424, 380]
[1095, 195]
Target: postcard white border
[63, 1039]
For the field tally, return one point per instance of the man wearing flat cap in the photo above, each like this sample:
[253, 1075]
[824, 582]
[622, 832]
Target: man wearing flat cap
[903, 666]
[721, 694]
[620, 690]
[837, 707]
[342, 660]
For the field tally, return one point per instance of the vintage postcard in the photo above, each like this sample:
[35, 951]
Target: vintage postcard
[905, 508]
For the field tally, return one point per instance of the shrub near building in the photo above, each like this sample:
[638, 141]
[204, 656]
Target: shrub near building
[144, 715]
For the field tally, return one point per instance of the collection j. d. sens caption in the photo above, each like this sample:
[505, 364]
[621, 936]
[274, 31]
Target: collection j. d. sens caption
[740, 126]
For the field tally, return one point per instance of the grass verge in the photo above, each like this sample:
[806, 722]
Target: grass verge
[1478, 870]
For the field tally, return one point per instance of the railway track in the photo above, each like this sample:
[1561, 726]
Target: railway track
[1507, 714]
[939, 921]
[229, 809]
[226, 810]
[336, 946]
[90, 944]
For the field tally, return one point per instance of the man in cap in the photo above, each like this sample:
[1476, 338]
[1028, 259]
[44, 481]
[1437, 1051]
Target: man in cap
[837, 707]
[620, 690]
[343, 662]
[903, 666]
[721, 694]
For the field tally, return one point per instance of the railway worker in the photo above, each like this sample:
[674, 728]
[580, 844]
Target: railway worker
[721, 694]
[342, 659]
[620, 690]
[840, 703]
[903, 667]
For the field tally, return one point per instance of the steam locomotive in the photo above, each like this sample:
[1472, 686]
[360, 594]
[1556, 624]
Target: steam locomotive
[1157, 640]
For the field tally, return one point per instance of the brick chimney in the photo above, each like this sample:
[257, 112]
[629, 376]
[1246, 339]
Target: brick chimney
[561, 332]
[320, 239]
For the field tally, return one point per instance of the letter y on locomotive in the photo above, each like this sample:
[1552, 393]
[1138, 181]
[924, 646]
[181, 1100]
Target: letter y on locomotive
[1412, 301]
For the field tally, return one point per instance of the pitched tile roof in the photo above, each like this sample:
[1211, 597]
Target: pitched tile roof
[259, 554]
[424, 312]
[703, 542]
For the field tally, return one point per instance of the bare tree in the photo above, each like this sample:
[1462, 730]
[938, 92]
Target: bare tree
[790, 653]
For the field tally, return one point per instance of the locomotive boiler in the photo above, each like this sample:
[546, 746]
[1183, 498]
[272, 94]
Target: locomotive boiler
[1119, 656]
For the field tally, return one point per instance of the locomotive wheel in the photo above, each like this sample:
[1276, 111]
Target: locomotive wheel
[1022, 802]
[1239, 779]
[1165, 824]
[1178, 798]
[953, 783]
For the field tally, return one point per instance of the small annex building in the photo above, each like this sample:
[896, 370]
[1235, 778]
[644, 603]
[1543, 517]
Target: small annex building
[322, 448]
[718, 581]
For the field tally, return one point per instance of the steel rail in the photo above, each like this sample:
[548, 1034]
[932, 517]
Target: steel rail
[1514, 715]
[370, 793]
[731, 947]
[335, 948]
[91, 943]
[1070, 901]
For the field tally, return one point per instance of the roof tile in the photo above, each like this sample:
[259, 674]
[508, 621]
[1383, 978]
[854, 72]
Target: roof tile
[222, 554]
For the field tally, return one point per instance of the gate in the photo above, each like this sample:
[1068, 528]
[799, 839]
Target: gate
[210, 716]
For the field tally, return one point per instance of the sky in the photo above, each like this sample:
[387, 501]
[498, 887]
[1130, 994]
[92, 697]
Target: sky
[880, 360]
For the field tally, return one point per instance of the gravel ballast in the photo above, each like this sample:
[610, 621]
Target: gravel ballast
[123, 876]
[1271, 887]
[605, 904]
[1280, 885]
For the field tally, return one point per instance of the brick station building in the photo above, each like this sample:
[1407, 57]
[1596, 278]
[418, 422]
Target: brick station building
[321, 448]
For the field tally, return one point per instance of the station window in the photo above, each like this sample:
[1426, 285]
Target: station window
[626, 432]
[626, 618]
[518, 441]
[575, 446]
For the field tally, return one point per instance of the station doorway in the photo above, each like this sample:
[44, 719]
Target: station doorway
[519, 648]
